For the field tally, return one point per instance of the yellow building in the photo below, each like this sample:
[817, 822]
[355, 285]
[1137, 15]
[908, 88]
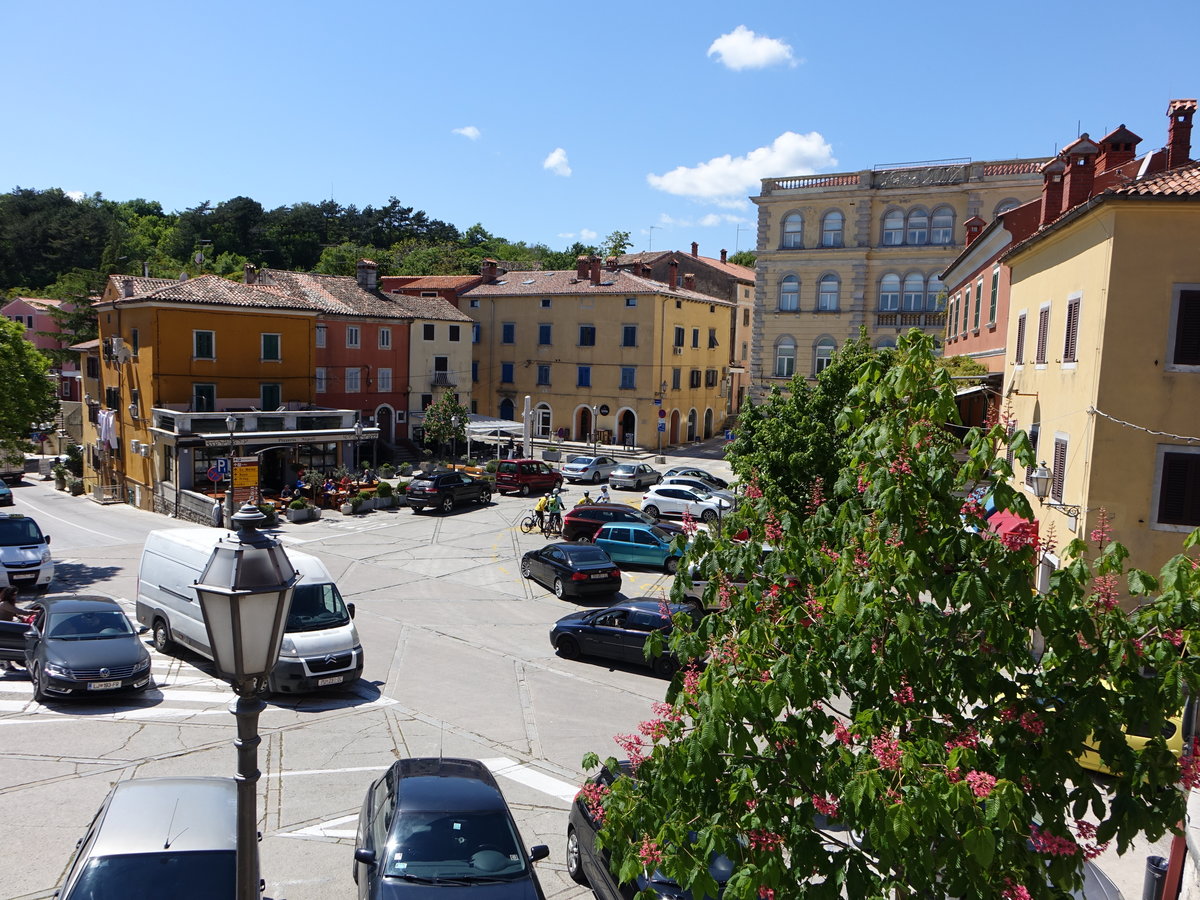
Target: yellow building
[600, 339]
[1104, 352]
[864, 249]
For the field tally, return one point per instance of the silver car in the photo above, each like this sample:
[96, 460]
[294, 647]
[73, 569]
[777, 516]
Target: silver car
[588, 468]
[635, 476]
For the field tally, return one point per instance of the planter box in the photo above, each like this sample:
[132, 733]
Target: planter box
[384, 502]
[551, 455]
[303, 515]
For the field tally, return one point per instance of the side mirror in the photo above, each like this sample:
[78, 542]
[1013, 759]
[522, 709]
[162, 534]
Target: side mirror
[47, 537]
[364, 856]
[540, 851]
[350, 609]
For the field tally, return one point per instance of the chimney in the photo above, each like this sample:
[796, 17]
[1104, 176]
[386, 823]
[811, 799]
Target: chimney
[488, 270]
[1179, 134]
[723, 252]
[689, 282]
[695, 249]
[249, 273]
[1081, 171]
[611, 264]
[127, 287]
[1052, 188]
[974, 226]
[581, 267]
[595, 262]
[366, 274]
[647, 272]
[673, 274]
[1116, 149]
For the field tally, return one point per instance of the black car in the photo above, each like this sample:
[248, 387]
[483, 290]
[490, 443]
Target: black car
[77, 646]
[582, 522]
[574, 570]
[440, 827]
[446, 490]
[619, 632]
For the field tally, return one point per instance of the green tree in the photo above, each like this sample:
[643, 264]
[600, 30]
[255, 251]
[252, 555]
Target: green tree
[963, 368]
[744, 258]
[879, 677]
[446, 421]
[616, 244]
[28, 399]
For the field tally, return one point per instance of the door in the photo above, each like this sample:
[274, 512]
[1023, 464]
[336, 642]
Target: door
[608, 638]
[650, 551]
[615, 541]
[12, 641]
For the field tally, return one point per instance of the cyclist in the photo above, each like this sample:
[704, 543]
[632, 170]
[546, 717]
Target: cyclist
[555, 508]
[603, 498]
[584, 500]
[539, 511]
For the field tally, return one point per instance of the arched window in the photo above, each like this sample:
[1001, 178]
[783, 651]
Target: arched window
[785, 358]
[886, 343]
[828, 289]
[918, 227]
[914, 293]
[893, 228]
[793, 231]
[832, 227]
[1005, 205]
[889, 293]
[789, 294]
[935, 294]
[942, 231]
[823, 355]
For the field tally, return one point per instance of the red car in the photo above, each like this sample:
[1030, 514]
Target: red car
[525, 477]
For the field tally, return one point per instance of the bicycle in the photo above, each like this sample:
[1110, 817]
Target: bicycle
[531, 522]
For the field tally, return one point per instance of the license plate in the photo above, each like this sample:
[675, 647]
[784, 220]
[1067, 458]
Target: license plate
[322, 682]
[23, 578]
[600, 575]
[103, 685]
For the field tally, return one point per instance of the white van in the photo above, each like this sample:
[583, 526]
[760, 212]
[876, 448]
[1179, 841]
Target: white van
[320, 644]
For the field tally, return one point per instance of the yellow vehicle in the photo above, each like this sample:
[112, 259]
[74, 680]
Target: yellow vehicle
[1137, 735]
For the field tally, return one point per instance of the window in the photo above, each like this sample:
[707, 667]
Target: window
[353, 378]
[1179, 487]
[583, 376]
[506, 373]
[966, 311]
[270, 396]
[587, 335]
[475, 330]
[745, 349]
[352, 336]
[474, 304]
[428, 331]
[545, 332]
[993, 299]
[978, 302]
[628, 335]
[543, 374]
[204, 345]
[942, 231]
[785, 358]
[1043, 328]
[426, 401]
[320, 334]
[134, 342]
[831, 229]
[385, 339]
[789, 294]
[631, 301]
[793, 232]
[1071, 333]
[935, 294]
[1184, 335]
[320, 380]
[384, 377]
[112, 397]
[918, 227]
[628, 378]
[508, 333]
[93, 367]
[823, 355]
[694, 378]
[952, 317]
[475, 371]
[914, 292]
[1060, 469]
[712, 339]
[745, 318]
[455, 333]
[893, 228]
[545, 303]
[204, 398]
[710, 377]
[1019, 351]
[269, 344]
[676, 378]
[695, 338]
[889, 293]
[828, 290]
[680, 336]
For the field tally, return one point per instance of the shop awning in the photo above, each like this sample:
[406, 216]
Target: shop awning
[481, 425]
[1015, 531]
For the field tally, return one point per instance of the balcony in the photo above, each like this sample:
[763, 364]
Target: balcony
[292, 423]
[443, 379]
[897, 319]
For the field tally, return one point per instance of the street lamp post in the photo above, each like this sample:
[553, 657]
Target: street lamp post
[595, 432]
[358, 433]
[662, 420]
[244, 592]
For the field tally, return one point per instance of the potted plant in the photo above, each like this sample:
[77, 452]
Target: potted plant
[405, 470]
[299, 510]
[75, 485]
[60, 476]
[385, 495]
[268, 510]
[387, 470]
[358, 502]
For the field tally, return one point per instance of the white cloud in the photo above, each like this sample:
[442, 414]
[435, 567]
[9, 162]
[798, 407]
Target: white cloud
[586, 234]
[711, 220]
[557, 162]
[468, 131]
[726, 180]
[76, 195]
[743, 49]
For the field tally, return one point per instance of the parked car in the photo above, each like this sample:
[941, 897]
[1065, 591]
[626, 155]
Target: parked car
[6, 494]
[674, 500]
[159, 837]
[700, 486]
[618, 632]
[588, 468]
[446, 490]
[77, 646]
[1139, 733]
[526, 476]
[12, 468]
[635, 476]
[582, 522]
[25, 552]
[642, 545]
[572, 570]
[693, 472]
[440, 827]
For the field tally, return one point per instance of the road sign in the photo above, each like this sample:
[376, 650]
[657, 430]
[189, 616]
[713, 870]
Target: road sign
[215, 474]
[221, 464]
[662, 413]
[662, 426]
[658, 401]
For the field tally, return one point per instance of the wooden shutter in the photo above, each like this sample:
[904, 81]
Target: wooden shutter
[1060, 470]
[1019, 353]
[1071, 338]
[1187, 330]
[1179, 490]
[1043, 328]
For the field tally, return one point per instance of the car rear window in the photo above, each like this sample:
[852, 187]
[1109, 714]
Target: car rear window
[587, 554]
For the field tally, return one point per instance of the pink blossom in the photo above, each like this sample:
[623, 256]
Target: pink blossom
[1014, 891]
[967, 738]
[724, 594]
[895, 796]
[753, 491]
[751, 804]
[1051, 844]
[773, 529]
[1031, 723]
[1189, 767]
[654, 729]
[690, 525]
[863, 484]
[904, 696]
[1008, 714]
[724, 653]
[650, 853]
[861, 559]
[815, 610]
[886, 749]
[900, 465]
[1175, 636]
[765, 893]
[593, 799]
[764, 840]
[666, 711]
[953, 776]
[826, 807]
[691, 680]
[981, 783]
[830, 552]
[816, 494]
[634, 748]
[1103, 530]
[842, 733]
[971, 509]
[1105, 588]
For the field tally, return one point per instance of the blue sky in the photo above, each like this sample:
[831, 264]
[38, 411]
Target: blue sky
[551, 122]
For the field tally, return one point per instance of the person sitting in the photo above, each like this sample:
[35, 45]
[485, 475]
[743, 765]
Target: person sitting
[368, 477]
[328, 487]
[286, 493]
[584, 500]
[346, 483]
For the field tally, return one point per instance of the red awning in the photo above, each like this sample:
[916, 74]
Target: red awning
[1013, 530]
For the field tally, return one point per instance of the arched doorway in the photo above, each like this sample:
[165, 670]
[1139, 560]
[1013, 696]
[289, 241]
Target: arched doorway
[708, 419]
[506, 410]
[541, 420]
[627, 428]
[675, 420]
[691, 426]
[583, 424]
[386, 422]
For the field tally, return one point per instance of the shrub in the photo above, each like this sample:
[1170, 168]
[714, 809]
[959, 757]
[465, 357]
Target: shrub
[405, 470]
[268, 510]
[384, 490]
[298, 503]
[387, 470]
[356, 502]
[490, 468]
[472, 463]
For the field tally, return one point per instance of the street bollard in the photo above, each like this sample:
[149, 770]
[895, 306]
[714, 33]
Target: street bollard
[1156, 877]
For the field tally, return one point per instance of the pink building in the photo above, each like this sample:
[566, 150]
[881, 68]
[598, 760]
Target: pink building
[34, 314]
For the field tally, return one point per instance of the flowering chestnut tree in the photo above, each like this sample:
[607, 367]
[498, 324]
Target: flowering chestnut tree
[875, 716]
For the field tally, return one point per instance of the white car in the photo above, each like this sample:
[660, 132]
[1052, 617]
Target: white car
[698, 485]
[674, 500]
[693, 472]
[588, 468]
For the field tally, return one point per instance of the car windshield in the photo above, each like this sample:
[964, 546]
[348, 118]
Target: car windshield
[623, 470]
[462, 846]
[315, 607]
[579, 461]
[17, 532]
[660, 534]
[586, 554]
[196, 875]
[75, 626]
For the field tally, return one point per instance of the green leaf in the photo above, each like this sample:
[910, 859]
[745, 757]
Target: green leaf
[981, 844]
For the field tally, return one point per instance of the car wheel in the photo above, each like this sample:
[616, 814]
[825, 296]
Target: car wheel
[583, 539]
[161, 637]
[671, 565]
[524, 491]
[651, 511]
[708, 516]
[416, 509]
[560, 589]
[485, 497]
[568, 647]
[526, 570]
[574, 862]
[39, 683]
[595, 478]
[448, 505]
[663, 666]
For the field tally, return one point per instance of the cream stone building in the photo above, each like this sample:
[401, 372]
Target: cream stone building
[863, 249]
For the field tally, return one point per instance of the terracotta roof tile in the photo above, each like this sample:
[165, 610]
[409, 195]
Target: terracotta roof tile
[1182, 181]
[438, 282]
[542, 284]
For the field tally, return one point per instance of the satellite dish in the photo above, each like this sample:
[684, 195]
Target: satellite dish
[199, 257]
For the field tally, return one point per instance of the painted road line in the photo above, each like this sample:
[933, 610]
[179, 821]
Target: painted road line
[530, 777]
[327, 829]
